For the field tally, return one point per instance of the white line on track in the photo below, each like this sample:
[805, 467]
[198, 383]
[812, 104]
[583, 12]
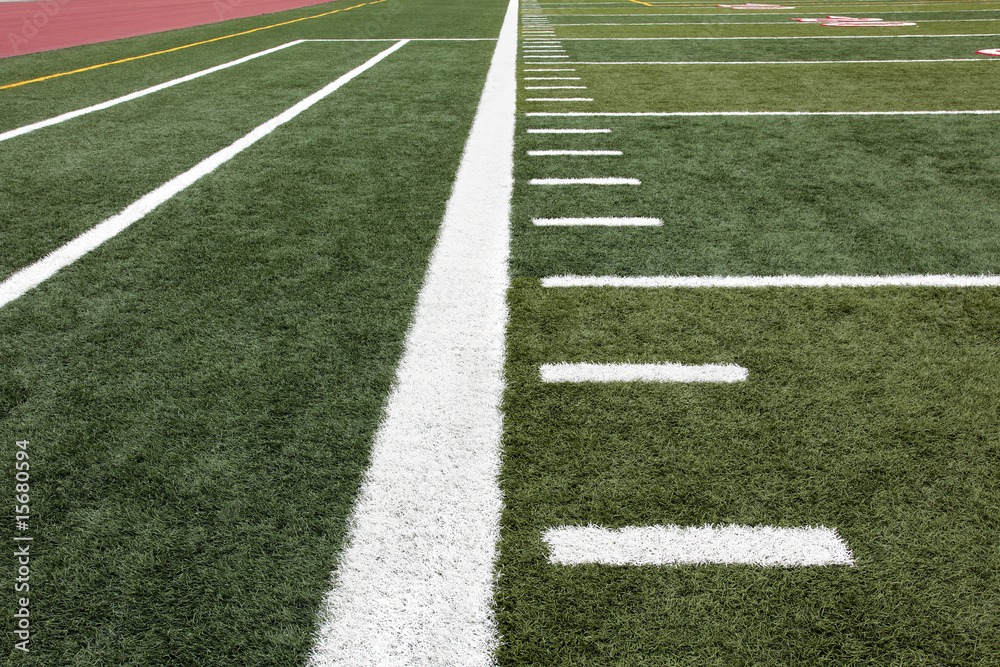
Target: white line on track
[573, 152]
[764, 546]
[10, 134]
[985, 112]
[665, 372]
[929, 280]
[597, 222]
[414, 585]
[35, 274]
[585, 181]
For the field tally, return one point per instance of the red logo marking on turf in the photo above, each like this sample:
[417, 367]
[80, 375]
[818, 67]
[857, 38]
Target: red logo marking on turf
[850, 22]
[990, 52]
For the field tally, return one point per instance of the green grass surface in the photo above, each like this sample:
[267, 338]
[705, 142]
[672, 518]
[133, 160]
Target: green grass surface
[767, 196]
[872, 411]
[200, 393]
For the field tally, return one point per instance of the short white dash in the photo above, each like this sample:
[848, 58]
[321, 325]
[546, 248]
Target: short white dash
[763, 546]
[664, 372]
[552, 78]
[567, 130]
[555, 87]
[572, 152]
[585, 181]
[597, 222]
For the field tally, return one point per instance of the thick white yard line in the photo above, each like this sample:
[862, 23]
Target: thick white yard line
[33, 275]
[597, 222]
[69, 115]
[780, 62]
[689, 39]
[414, 585]
[633, 114]
[665, 372]
[764, 546]
[774, 281]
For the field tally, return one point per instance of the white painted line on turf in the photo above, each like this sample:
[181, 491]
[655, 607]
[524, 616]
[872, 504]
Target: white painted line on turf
[585, 181]
[10, 134]
[560, 130]
[573, 152]
[549, 69]
[764, 546]
[598, 222]
[689, 39]
[552, 78]
[414, 585]
[555, 87]
[781, 62]
[665, 372]
[35, 274]
[588, 114]
[774, 281]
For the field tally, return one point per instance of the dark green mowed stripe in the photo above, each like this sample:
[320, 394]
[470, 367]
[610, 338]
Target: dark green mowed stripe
[766, 196]
[871, 411]
[200, 392]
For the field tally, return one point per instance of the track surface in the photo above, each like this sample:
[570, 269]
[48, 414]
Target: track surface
[30, 27]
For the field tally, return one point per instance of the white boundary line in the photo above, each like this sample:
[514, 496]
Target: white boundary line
[597, 222]
[763, 546]
[69, 115]
[33, 275]
[633, 114]
[663, 372]
[774, 281]
[414, 585]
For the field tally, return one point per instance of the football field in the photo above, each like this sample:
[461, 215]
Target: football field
[472, 332]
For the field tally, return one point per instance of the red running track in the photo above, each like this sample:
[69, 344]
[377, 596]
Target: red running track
[29, 27]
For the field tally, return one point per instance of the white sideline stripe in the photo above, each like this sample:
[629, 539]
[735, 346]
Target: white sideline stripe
[585, 181]
[555, 87]
[764, 546]
[600, 222]
[549, 69]
[62, 118]
[552, 78]
[573, 152]
[569, 131]
[762, 113]
[31, 276]
[665, 372]
[414, 585]
[774, 281]
[780, 62]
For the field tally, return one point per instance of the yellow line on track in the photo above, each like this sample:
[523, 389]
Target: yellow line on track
[186, 46]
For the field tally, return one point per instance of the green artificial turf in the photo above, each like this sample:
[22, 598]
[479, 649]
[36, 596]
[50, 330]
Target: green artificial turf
[869, 411]
[766, 196]
[200, 393]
